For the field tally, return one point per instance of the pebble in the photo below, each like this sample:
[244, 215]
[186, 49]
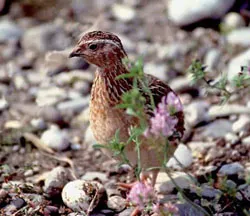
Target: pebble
[242, 124]
[14, 205]
[212, 59]
[217, 111]
[239, 37]
[89, 137]
[193, 11]
[56, 138]
[213, 153]
[50, 96]
[9, 31]
[75, 105]
[3, 104]
[126, 212]
[246, 141]
[48, 36]
[116, 203]
[196, 112]
[235, 64]
[28, 173]
[183, 155]
[38, 123]
[78, 195]
[210, 192]
[232, 138]
[158, 70]
[233, 20]
[56, 179]
[3, 195]
[95, 176]
[231, 169]
[20, 82]
[123, 12]
[197, 146]
[164, 185]
[217, 129]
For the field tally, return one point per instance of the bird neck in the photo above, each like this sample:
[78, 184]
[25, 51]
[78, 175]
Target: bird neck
[107, 88]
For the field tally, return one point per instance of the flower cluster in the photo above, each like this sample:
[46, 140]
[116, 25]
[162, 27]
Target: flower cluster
[165, 209]
[141, 195]
[164, 120]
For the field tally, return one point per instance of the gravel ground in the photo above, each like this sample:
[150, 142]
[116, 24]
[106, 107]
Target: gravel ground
[44, 98]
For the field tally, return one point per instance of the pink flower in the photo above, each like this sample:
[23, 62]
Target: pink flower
[141, 194]
[165, 209]
[163, 122]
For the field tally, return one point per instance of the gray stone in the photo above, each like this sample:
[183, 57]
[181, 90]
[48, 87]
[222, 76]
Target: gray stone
[158, 70]
[55, 138]
[3, 104]
[216, 111]
[45, 37]
[217, 129]
[9, 31]
[231, 169]
[246, 141]
[94, 176]
[123, 12]
[126, 212]
[183, 155]
[239, 37]
[193, 11]
[164, 185]
[233, 20]
[116, 203]
[212, 58]
[75, 105]
[231, 138]
[38, 123]
[89, 137]
[210, 192]
[196, 112]
[242, 124]
[55, 181]
[235, 64]
[213, 153]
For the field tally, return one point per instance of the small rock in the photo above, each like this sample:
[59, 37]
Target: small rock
[235, 64]
[14, 205]
[246, 141]
[50, 96]
[217, 129]
[117, 203]
[38, 123]
[123, 12]
[213, 153]
[75, 105]
[48, 36]
[3, 195]
[239, 37]
[196, 112]
[89, 137]
[231, 169]
[200, 146]
[95, 176]
[55, 181]
[55, 138]
[228, 110]
[158, 70]
[242, 124]
[13, 124]
[210, 192]
[193, 11]
[20, 83]
[126, 212]
[183, 155]
[3, 104]
[233, 20]
[9, 31]
[212, 58]
[28, 173]
[164, 185]
[232, 138]
[51, 210]
[78, 195]
[187, 207]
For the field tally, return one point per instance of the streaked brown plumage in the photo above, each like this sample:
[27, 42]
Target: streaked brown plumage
[105, 50]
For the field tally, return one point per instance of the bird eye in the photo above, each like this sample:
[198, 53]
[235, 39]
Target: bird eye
[92, 46]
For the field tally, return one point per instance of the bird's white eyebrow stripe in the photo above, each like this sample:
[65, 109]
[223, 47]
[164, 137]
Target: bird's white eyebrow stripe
[102, 41]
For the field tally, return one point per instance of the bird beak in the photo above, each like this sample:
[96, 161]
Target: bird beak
[75, 53]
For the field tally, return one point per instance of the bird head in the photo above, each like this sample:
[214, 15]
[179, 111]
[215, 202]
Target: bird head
[102, 49]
